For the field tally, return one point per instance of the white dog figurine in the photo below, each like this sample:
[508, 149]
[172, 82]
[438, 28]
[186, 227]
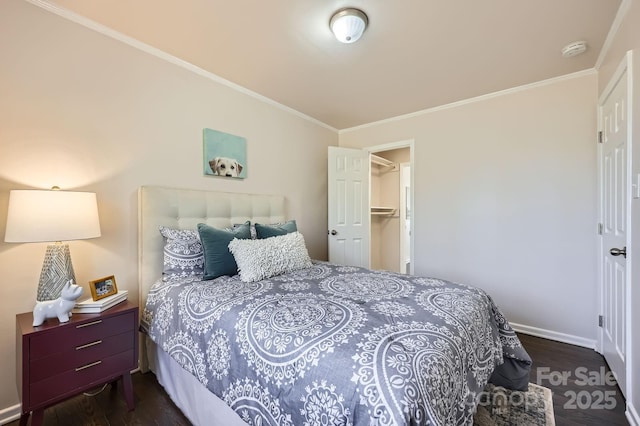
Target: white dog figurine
[61, 307]
[224, 166]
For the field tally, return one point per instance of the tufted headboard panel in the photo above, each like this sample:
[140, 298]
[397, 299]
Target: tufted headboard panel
[184, 209]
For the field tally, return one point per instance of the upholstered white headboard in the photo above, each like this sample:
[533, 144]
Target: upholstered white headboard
[184, 209]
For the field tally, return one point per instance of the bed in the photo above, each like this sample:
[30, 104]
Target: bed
[311, 342]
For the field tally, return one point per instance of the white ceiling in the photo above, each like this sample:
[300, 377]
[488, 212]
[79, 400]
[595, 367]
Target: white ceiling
[416, 54]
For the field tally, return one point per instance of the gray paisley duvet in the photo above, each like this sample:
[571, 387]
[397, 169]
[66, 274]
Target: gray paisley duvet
[336, 345]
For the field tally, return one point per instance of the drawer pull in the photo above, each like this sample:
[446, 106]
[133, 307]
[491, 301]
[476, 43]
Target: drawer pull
[88, 345]
[88, 324]
[93, 364]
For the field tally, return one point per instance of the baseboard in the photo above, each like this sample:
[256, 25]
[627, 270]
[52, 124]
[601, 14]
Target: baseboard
[554, 335]
[632, 415]
[9, 414]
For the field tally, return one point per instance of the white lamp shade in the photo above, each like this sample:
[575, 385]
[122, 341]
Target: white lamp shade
[348, 25]
[46, 216]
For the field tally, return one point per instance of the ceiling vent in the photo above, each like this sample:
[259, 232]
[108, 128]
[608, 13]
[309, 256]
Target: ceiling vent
[573, 49]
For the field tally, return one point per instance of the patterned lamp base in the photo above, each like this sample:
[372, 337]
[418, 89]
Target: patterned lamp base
[56, 271]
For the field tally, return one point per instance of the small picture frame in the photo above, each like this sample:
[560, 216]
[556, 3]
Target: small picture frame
[103, 287]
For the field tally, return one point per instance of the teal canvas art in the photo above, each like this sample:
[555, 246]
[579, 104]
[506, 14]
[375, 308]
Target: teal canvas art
[224, 154]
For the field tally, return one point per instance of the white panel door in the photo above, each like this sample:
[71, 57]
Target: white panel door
[615, 198]
[349, 216]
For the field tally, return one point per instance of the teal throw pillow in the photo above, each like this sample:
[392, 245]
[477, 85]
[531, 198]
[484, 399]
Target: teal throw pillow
[276, 229]
[218, 260]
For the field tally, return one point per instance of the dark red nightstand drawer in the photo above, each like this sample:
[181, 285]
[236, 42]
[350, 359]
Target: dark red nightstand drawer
[56, 361]
[70, 382]
[69, 336]
[60, 362]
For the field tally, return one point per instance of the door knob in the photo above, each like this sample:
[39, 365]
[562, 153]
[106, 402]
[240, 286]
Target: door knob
[333, 232]
[617, 252]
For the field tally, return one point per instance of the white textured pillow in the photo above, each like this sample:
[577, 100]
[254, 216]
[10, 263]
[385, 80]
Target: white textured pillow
[260, 259]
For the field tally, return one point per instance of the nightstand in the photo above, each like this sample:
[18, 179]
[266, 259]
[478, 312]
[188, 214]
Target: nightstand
[56, 360]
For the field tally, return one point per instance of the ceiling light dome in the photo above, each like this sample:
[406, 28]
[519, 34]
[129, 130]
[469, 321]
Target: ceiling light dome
[348, 24]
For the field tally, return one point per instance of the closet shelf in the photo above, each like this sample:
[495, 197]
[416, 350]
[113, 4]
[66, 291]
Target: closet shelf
[383, 162]
[383, 211]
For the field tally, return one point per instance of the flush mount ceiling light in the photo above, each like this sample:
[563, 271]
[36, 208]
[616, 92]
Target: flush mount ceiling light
[573, 49]
[348, 24]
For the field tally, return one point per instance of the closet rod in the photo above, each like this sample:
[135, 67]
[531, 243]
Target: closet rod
[382, 161]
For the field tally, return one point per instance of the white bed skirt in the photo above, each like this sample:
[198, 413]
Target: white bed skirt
[199, 405]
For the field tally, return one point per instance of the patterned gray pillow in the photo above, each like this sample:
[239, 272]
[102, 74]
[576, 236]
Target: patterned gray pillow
[183, 253]
[268, 257]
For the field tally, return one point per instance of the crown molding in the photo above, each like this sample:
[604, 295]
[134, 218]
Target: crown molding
[613, 31]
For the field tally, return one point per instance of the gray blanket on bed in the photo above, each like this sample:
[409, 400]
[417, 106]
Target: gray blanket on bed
[338, 345]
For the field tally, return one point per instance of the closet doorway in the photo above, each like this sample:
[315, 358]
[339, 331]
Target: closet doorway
[390, 205]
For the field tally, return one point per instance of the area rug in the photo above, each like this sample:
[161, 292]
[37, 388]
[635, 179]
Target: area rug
[502, 407]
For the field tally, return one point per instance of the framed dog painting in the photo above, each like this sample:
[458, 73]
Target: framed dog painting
[224, 154]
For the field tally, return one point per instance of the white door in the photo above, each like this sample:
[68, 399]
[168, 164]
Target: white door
[349, 216]
[614, 200]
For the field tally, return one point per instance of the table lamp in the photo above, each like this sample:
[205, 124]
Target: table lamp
[52, 216]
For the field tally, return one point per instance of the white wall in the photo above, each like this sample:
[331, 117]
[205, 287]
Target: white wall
[627, 38]
[505, 199]
[83, 111]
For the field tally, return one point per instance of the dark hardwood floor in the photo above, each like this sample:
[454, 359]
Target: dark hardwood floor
[577, 400]
[578, 378]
